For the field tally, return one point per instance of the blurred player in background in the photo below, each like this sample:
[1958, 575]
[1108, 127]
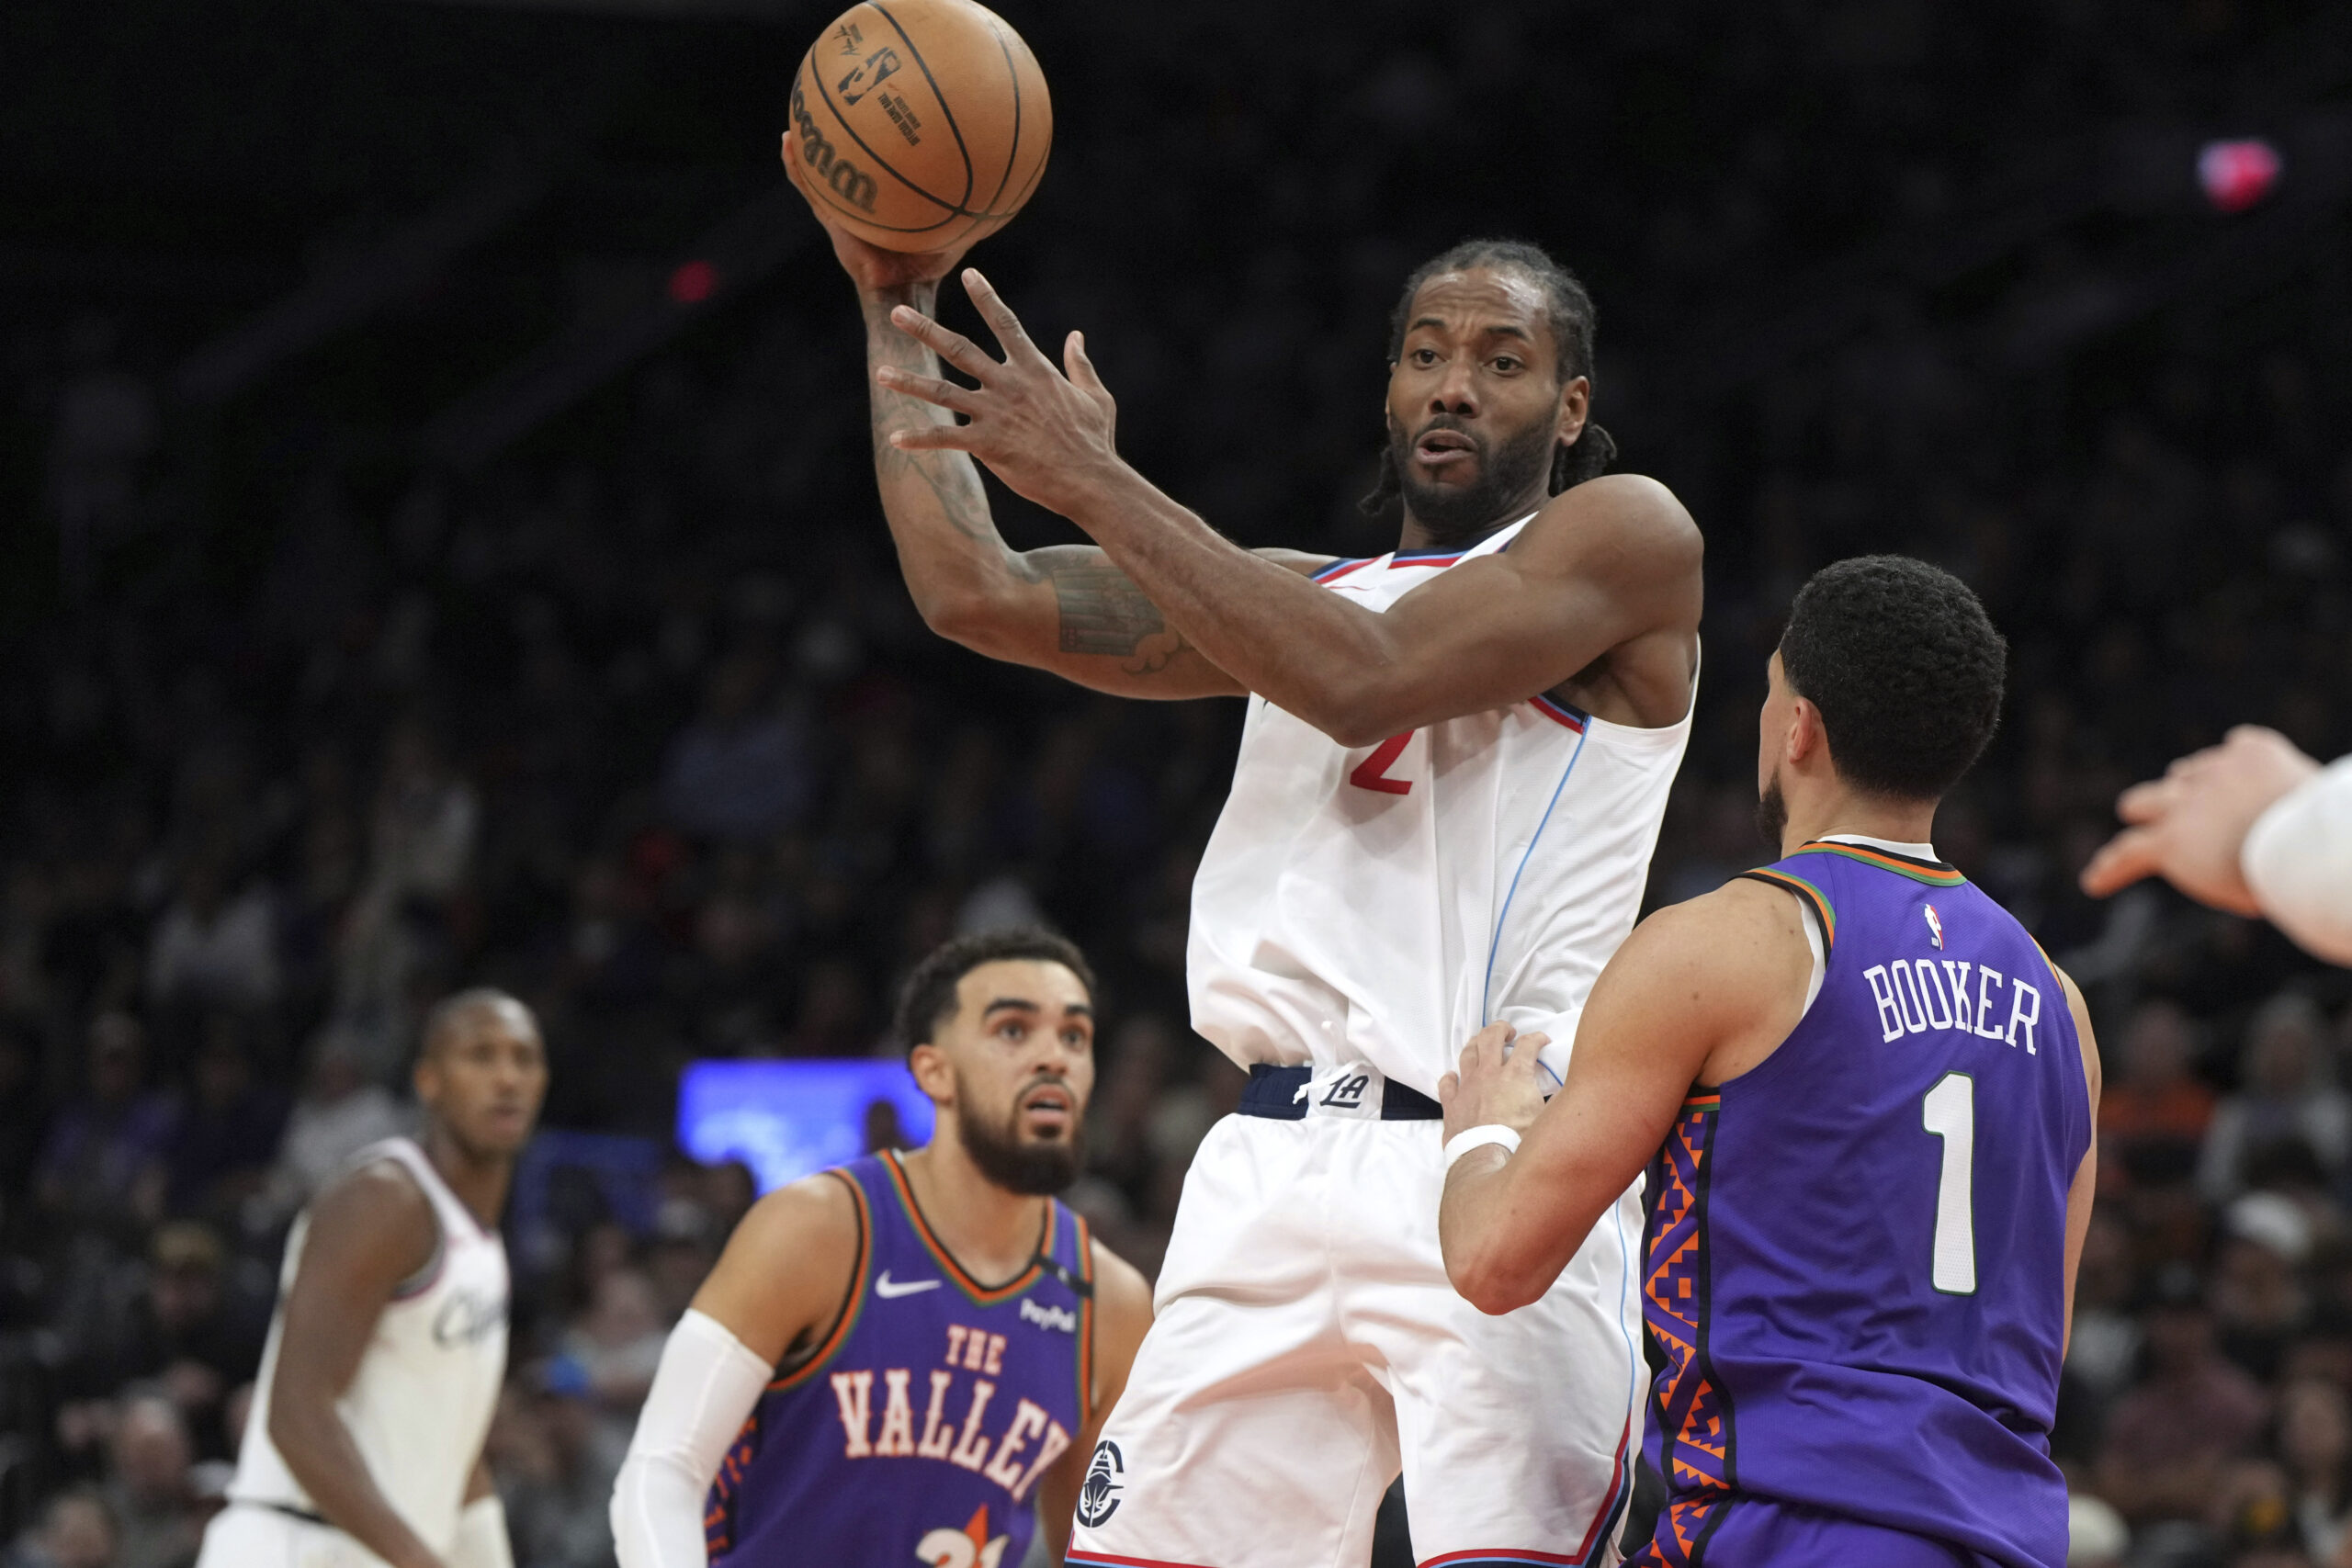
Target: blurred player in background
[1866, 1100]
[1454, 765]
[384, 1363]
[2251, 825]
[904, 1360]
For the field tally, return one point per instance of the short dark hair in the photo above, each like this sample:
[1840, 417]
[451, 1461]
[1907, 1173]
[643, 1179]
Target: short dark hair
[1567, 313]
[446, 1014]
[928, 998]
[1905, 668]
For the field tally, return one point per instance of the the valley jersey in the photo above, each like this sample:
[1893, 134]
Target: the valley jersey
[918, 1431]
[420, 1404]
[1381, 904]
[1854, 1266]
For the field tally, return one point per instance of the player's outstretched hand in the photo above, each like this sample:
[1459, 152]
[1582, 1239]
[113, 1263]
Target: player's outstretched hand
[1043, 433]
[2189, 826]
[872, 269]
[1501, 1081]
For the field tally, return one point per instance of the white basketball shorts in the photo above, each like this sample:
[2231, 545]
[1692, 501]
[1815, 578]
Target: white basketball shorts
[245, 1535]
[1307, 1347]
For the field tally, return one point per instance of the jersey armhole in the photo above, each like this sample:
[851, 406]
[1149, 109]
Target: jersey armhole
[1817, 929]
[825, 1344]
[1085, 1317]
[429, 1273]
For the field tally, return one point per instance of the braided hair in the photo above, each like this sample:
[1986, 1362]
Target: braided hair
[1567, 312]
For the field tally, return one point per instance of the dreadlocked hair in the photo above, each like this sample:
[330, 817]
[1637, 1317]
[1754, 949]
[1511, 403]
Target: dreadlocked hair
[1567, 312]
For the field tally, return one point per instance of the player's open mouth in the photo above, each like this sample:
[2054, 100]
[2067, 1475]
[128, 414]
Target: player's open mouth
[1441, 448]
[1049, 1110]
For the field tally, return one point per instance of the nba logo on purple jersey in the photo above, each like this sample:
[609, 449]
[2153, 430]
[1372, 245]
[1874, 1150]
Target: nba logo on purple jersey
[1854, 1285]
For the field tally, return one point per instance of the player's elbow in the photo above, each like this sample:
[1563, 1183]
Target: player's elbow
[295, 1422]
[1355, 710]
[1489, 1279]
[960, 615]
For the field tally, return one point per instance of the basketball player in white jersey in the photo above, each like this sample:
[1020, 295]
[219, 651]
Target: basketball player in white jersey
[363, 1448]
[1453, 768]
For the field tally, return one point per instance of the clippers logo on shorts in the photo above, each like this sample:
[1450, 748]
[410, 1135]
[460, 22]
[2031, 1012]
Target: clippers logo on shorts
[1099, 1498]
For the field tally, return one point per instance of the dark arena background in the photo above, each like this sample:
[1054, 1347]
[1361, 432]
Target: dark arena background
[442, 547]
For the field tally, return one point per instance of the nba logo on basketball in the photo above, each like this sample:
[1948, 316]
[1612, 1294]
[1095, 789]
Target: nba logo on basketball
[1935, 927]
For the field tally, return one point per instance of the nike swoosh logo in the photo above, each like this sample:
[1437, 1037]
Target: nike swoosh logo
[889, 1289]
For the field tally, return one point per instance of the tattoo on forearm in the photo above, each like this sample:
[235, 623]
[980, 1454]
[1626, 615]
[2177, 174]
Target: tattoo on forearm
[951, 478]
[1103, 611]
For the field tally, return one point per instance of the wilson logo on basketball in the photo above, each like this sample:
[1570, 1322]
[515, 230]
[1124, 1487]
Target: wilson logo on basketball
[848, 181]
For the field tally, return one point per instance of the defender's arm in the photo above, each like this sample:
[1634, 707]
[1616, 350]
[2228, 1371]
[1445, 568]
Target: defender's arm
[1699, 992]
[779, 1287]
[1121, 1314]
[366, 1234]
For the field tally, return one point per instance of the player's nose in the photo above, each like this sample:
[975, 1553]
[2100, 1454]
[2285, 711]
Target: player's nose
[1455, 392]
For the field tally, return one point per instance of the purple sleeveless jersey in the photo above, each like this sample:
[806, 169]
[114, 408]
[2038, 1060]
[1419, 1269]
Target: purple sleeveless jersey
[917, 1433]
[1854, 1276]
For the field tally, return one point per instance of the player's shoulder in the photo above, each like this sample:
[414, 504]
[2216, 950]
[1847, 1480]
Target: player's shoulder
[1743, 930]
[374, 1221]
[381, 1191]
[1623, 510]
[1118, 1284]
[817, 1211]
[1307, 563]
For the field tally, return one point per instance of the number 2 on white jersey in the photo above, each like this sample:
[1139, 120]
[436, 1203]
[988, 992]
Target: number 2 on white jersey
[1949, 1113]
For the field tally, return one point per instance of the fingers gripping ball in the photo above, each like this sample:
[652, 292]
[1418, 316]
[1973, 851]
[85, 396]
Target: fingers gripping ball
[923, 124]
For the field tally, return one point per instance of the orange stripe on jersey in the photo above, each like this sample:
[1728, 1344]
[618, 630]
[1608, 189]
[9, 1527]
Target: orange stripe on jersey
[982, 1295]
[857, 1293]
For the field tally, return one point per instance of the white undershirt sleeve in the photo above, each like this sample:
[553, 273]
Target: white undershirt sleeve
[703, 1393]
[2298, 860]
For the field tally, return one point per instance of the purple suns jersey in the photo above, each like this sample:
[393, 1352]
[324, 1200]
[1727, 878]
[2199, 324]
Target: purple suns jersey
[917, 1433]
[1854, 1275]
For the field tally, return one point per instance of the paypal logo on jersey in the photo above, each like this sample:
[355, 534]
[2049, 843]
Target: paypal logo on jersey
[1058, 1318]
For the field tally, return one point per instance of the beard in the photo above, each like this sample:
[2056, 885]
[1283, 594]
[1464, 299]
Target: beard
[1028, 1167]
[1462, 514]
[1772, 814]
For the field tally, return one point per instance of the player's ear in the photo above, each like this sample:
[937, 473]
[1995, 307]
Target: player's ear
[1576, 407]
[934, 1076]
[1808, 738]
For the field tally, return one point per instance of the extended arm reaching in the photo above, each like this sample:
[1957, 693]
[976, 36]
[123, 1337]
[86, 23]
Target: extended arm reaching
[1605, 566]
[1065, 608]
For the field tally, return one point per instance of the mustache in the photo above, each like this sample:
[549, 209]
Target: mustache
[1450, 422]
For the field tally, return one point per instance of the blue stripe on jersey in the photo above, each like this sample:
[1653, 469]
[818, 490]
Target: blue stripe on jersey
[1486, 994]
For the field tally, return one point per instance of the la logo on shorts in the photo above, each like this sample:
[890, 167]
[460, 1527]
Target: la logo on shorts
[1099, 1498]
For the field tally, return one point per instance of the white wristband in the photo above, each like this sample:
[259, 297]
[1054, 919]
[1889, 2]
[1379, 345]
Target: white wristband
[1478, 1138]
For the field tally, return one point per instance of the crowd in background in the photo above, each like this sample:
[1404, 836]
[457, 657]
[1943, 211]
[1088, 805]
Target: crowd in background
[639, 723]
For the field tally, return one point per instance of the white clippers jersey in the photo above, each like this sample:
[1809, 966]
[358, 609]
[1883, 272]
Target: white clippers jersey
[1380, 905]
[420, 1404]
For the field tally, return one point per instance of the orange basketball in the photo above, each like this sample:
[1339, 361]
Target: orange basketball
[921, 123]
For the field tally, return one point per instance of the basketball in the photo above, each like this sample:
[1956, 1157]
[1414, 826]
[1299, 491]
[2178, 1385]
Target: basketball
[923, 124]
